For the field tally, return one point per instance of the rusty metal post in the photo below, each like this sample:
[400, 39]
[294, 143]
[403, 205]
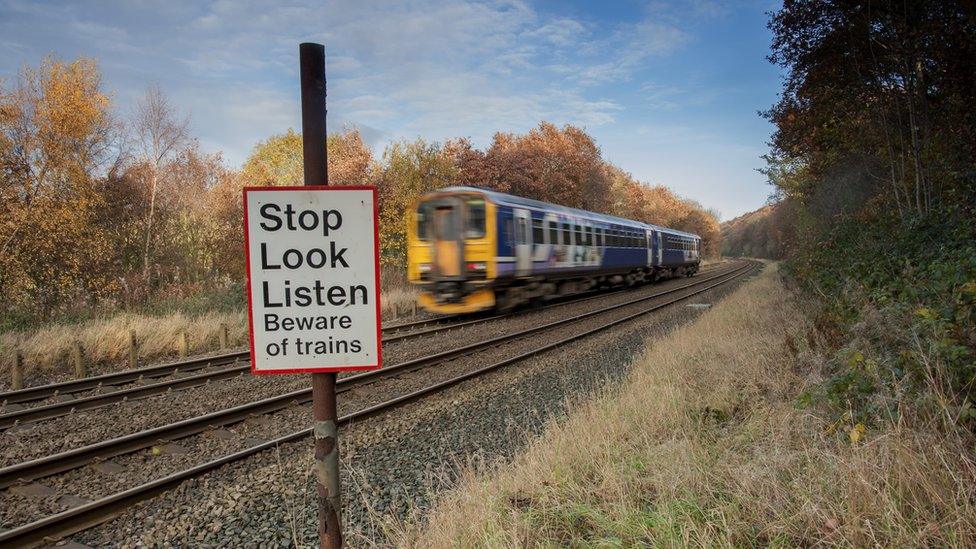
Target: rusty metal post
[326, 459]
[78, 357]
[184, 344]
[17, 371]
[223, 335]
[325, 427]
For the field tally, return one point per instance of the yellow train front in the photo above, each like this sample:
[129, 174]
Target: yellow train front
[472, 249]
[451, 251]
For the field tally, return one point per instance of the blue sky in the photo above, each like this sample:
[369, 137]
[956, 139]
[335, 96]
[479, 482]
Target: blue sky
[669, 89]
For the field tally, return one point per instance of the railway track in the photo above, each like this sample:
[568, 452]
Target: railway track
[106, 388]
[115, 379]
[95, 512]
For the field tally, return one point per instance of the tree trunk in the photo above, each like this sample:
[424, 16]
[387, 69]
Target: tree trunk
[149, 224]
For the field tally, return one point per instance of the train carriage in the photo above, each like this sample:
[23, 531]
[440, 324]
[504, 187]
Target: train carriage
[471, 249]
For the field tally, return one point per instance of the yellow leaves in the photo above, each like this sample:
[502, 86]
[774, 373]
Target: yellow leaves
[856, 433]
[926, 313]
[278, 160]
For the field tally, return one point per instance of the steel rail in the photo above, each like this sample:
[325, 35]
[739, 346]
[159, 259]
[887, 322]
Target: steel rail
[59, 409]
[96, 512]
[79, 457]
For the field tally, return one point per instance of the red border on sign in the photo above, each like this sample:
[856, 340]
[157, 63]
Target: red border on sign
[376, 269]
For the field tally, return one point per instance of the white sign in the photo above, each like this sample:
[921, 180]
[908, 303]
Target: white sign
[312, 279]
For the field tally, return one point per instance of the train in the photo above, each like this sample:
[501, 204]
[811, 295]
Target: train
[472, 249]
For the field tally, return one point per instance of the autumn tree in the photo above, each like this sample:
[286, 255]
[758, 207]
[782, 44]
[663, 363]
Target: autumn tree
[160, 134]
[877, 103]
[560, 165]
[56, 135]
[278, 160]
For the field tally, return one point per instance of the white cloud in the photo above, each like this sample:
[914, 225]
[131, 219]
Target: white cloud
[425, 67]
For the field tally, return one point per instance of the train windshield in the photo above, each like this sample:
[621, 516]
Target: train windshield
[473, 214]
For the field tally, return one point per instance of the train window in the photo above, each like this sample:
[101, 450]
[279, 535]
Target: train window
[476, 218]
[521, 231]
[537, 232]
[566, 235]
[423, 222]
[589, 235]
[553, 232]
[508, 229]
[602, 237]
[578, 232]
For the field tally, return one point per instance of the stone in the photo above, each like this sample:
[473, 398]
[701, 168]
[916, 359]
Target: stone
[71, 501]
[108, 467]
[222, 434]
[33, 490]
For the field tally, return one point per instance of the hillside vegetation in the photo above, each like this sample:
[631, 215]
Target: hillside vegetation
[760, 233]
[874, 155]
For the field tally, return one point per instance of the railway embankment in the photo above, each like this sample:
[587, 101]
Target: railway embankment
[711, 441]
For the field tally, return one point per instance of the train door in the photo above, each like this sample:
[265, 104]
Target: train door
[523, 241]
[649, 240]
[659, 245]
[448, 246]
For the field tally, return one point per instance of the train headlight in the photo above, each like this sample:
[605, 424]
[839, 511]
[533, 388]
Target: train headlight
[424, 267]
[478, 267]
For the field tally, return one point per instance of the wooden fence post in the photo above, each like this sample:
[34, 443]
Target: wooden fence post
[17, 372]
[184, 344]
[77, 356]
[223, 335]
[413, 308]
[133, 349]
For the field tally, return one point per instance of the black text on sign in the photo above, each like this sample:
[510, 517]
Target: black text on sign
[313, 278]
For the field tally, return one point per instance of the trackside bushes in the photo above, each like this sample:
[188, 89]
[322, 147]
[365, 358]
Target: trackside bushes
[898, 307]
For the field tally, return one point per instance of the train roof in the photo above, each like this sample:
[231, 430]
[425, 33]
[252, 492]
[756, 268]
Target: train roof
[512, 200]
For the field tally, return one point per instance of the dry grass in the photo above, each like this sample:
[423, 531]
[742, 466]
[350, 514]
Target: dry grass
[106, 341]
[47, 350]
[705, 445]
